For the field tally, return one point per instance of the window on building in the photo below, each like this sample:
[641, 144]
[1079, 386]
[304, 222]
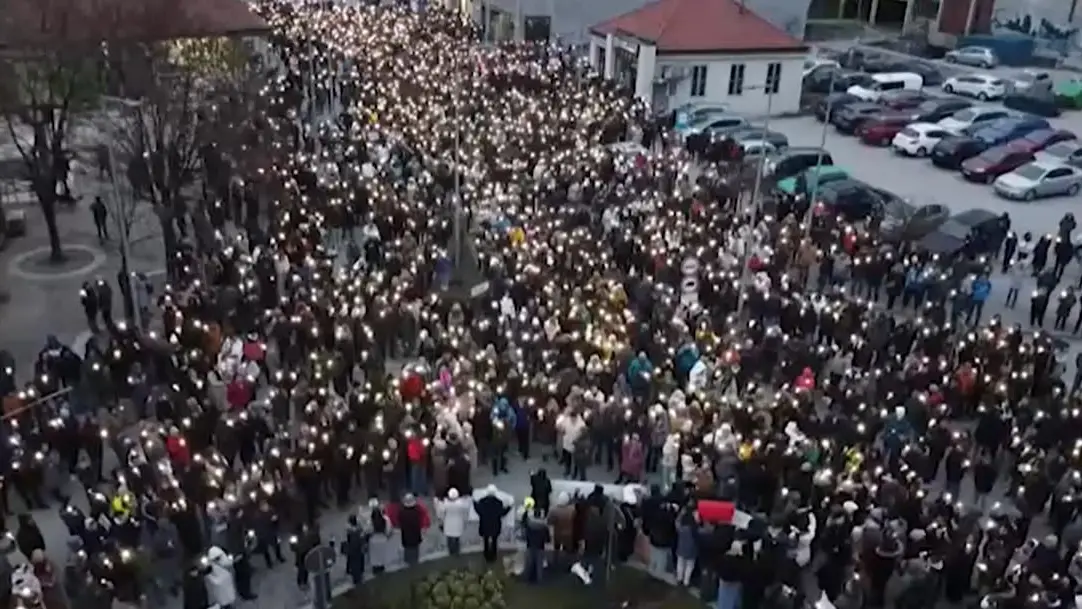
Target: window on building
[736, 79]
[698, 81]
[773, 78]
[537, 28]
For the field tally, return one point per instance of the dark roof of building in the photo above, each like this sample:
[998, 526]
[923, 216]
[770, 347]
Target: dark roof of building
[27, 24]
[700, 26]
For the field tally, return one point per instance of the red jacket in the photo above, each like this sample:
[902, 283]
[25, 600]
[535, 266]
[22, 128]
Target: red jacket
[178, 450]
[415, 450]
[394, 509]
[411, 387]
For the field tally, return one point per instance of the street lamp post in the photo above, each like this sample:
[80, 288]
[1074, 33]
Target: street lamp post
[814, 194]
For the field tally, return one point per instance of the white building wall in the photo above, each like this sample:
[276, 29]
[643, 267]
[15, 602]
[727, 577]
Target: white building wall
[753, 101]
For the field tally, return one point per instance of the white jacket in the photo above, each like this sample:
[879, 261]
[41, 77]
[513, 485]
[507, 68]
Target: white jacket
[454, 514]
[571, 428]
[221, 590]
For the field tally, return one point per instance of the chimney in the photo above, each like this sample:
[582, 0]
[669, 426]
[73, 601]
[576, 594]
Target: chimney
[743, 7]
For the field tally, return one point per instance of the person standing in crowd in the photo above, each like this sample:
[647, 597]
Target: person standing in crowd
[453, 513]
[354, 549]
[411, 519]
[100, 214]
[491, 511]
[537, 537]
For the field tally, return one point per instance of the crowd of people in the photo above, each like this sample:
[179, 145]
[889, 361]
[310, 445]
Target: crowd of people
[445, 256]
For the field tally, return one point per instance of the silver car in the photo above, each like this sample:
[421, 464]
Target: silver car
[1063, 153]
[982, 57]
[1038, 180]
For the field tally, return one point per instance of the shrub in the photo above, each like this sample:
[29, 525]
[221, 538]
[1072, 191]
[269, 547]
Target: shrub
[460, 589]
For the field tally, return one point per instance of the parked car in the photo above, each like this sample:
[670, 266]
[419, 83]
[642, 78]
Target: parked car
[1006, 129]
[714, 123]
[696, 112]
[972, 232]
[918, 139]
[850, 199]
[982, 57]
[1063, 153]
[981, 86]
[935, 110]
[794, 160]
[1038, 105]
[931, 75]
[828, 79]
[882, 83]
[951, 151]
[814, 64]
[829, 106]
[1068, 93]
[752, 134]
[902, 222]
[1040, 139]
[1038, 180]
[880, 130]
[1032, 82]
[850, 117]
[904, 99]
[803, 183]
[994, 162]
[964, 119]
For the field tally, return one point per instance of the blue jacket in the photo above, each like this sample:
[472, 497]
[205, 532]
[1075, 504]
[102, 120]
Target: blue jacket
[981, 289]
[914, 279]
[635, 370]
[685, 360]
[503, 412]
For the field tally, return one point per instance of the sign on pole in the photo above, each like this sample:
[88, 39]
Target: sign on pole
[319, 562]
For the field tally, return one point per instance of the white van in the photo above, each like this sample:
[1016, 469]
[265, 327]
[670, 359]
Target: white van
[877, 84]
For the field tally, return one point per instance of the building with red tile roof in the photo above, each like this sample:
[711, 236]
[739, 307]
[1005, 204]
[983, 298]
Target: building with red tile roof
[692, 52]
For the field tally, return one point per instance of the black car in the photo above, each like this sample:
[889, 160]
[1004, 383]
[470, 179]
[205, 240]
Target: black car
[826, 108]
[932, 77]
[828, 79]
[935, 110]
[851, 199]
[853, 115]
[950, 152]
[971, 233]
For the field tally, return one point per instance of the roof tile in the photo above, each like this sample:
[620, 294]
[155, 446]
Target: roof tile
[689, 26]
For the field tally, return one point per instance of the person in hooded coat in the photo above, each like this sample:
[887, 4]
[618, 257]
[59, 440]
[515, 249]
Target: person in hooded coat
[491, 511]
[453, 513]
[379, 540]
[221, 588]
[562, 520]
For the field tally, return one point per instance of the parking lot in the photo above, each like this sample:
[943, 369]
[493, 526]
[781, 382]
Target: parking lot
[920, 182]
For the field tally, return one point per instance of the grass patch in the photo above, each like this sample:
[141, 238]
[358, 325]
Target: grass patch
[627, 587]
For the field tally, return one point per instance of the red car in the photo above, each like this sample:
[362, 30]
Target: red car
[903, 99]
[880, 130]
[994, 162]
[1040, 139]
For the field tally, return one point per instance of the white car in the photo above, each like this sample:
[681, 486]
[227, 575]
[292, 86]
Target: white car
[964, 119]
[1038, 180]
[918, 139]
[981, 86]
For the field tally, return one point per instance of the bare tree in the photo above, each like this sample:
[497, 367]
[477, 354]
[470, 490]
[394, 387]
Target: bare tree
[50, 74]
[174, 91]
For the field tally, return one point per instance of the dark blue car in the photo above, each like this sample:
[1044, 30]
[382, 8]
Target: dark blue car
[1006, 129]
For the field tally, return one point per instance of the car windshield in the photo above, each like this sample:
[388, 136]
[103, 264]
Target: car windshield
[907, 132]
[861, 80]
[1030, 171]
[974, 51]
[964, 115]
[704, 113]
[1061, 150]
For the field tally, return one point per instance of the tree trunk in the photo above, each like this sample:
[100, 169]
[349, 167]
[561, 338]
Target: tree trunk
[169, 237]
[47, 198]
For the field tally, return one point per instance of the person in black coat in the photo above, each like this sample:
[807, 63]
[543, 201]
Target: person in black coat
[29, 538]
[490, 513]
[541, 490]
[412, 521]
